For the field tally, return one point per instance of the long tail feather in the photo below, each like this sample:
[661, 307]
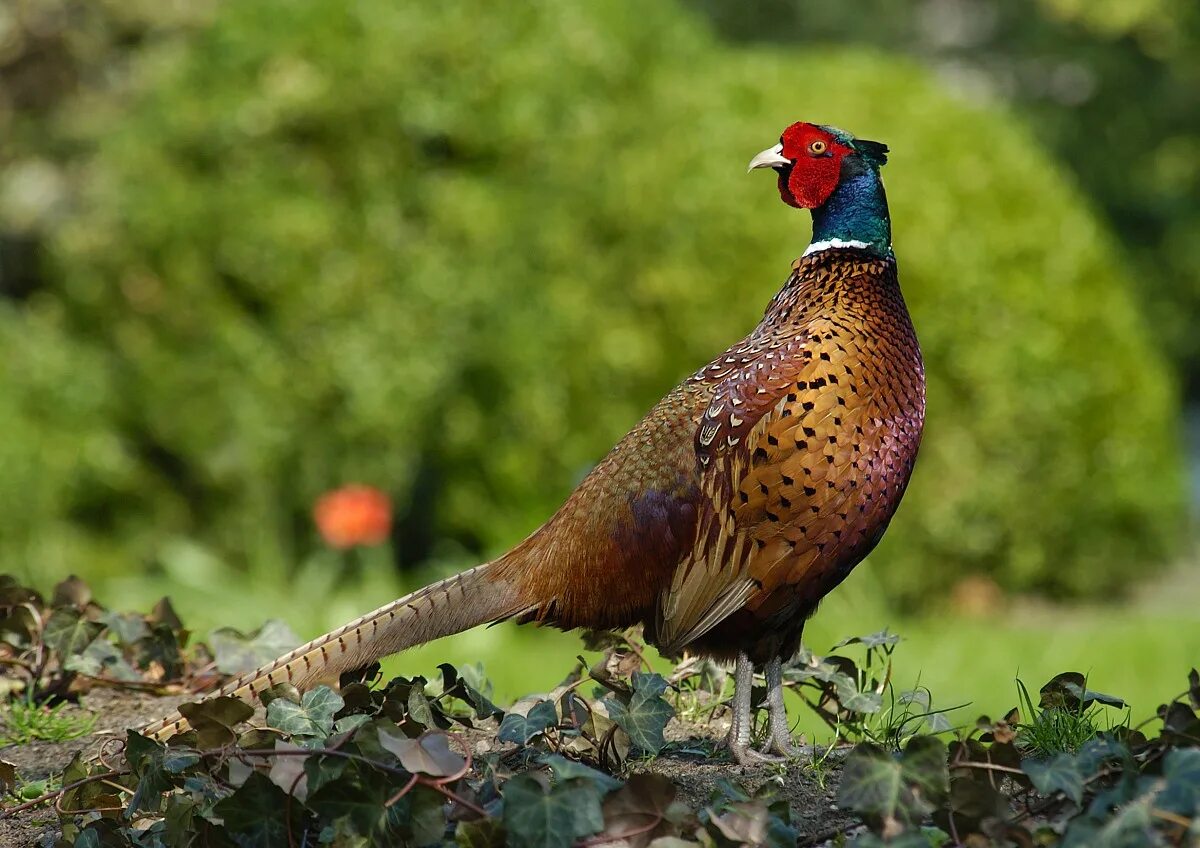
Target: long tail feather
[449, 606]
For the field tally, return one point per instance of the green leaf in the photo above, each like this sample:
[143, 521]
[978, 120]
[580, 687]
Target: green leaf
[290, 773]
[1059, 774]
[258, 814]
[872, 640]
[1068, 691]
[1183, 764]
[645, 799]
[522, 728]
[908, 839]
[428, 754]
[71, 592]
[895, 792]
[1181, 770]
[320, 770]
[214, 719]
[126, 627]
[646, 715]
[480, 833]
[539, 818]
[459, 686]
[67, 632]
[421, 710]
[176, 761]
[179, 821]
[145, 758]
[236, 652]
[101, 658]
[161, 646]
[359, 799]
[426, 817]
[313, 716]
[862, 702]
[565, 769]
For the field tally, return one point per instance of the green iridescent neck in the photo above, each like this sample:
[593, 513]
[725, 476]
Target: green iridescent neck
[855, 215]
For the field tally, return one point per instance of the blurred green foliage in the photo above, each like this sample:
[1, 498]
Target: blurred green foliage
[1112, 87]
[456, 251]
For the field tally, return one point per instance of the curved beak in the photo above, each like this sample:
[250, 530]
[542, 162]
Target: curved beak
[770, 158]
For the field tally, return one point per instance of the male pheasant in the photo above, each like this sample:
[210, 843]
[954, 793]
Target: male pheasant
[748, 493]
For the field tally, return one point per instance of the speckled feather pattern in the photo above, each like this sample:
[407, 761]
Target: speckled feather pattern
[723, 517]
[754, 487]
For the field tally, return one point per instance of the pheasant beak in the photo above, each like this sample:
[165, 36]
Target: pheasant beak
[770, 158]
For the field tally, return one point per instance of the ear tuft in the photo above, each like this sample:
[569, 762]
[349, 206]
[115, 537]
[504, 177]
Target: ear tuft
[874, 152]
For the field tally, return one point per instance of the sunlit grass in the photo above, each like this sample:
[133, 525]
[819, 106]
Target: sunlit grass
[1140, 650]
[23, 721]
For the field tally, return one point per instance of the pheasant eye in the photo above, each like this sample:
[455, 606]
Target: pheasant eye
[817, 147]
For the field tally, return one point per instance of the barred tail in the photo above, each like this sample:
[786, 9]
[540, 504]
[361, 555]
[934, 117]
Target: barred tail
[449, 606]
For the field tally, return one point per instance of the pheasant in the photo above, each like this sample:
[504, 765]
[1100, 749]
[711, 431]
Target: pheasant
[744, 497]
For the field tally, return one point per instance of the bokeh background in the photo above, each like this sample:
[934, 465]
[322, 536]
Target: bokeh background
[252, 251]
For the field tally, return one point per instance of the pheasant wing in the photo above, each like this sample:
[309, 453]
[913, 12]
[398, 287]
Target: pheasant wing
[778, 451]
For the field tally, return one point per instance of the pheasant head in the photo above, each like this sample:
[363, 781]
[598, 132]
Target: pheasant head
[835, 175]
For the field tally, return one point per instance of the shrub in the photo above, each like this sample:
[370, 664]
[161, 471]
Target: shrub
[455, 251]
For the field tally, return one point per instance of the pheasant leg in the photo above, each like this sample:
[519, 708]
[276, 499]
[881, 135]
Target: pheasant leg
[779, 731]
[743, 716]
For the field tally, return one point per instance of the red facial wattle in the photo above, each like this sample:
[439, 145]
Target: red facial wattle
[813, 176]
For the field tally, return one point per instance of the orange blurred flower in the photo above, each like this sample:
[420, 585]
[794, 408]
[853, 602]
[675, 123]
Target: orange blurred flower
[353, 515]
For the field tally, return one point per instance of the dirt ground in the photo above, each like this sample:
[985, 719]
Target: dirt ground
[814, 813]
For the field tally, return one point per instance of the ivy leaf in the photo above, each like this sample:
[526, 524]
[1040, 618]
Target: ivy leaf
[646, 715]
[258, 814]
[422, 710]
[541, 818]
[428, 754]
[1060, 774]
[126, 627]
[426, 819]
[177, 761]
[909, 839]
[145, 758]
[72, 592]
[163, 613]
[480, 833]
[894, 793]
[522, 728]
[290, 773]
[162, 646]
[359, 801]
[180, 826]
[67, 632]
[320, 770]
[565, 769]
[645, 799]
[1183, 764]
[214, 719]
[460, 687]
[1181, 795]
[872, 640]
[1068, 691]
[862, 702]
[236, 652]
[313, 716]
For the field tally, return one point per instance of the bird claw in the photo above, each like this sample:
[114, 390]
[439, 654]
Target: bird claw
[744, 755]
[776, 750]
